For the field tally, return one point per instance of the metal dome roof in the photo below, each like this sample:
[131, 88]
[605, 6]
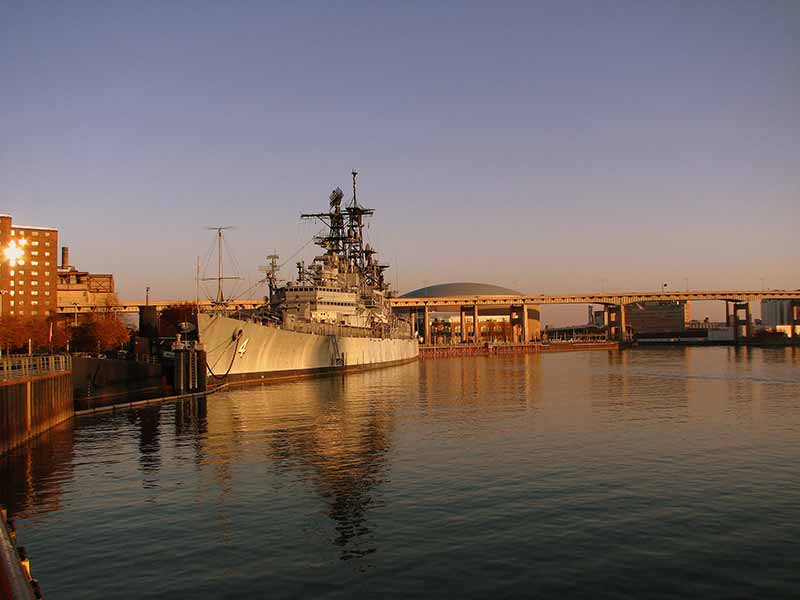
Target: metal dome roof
[461, 289]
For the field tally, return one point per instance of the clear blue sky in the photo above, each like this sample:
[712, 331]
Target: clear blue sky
[541, 146]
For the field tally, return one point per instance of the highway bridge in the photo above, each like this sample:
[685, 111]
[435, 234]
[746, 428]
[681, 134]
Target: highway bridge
[609, 299]
[523, 309]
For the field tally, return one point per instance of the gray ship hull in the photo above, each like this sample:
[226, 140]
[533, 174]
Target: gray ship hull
[239, 350]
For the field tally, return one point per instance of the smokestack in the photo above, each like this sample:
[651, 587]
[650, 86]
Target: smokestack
[65, 257]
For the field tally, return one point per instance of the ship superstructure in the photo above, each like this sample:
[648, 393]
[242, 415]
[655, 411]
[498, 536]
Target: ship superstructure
[340, 299]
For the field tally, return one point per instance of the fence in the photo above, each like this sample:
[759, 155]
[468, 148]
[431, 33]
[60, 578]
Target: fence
[13, 367]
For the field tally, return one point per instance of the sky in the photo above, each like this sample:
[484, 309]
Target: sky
[550, 147]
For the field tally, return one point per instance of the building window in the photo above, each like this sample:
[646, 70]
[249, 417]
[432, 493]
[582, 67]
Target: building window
[20, 312]
[34, 302]
[34, 292]
[20, 282]
[47, 244]
[35, 233]
[13, 232]
[47, 253]
[46, 234]
[34, 282]
[34, 243]
[12, 283]
[35, 273]
[47, 292]
[34, 263]
[12, 272]
[20, 262]
[47, 283]
[34, 253]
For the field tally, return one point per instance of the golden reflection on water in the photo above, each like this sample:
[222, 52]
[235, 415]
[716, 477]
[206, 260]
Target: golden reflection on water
[338, 436]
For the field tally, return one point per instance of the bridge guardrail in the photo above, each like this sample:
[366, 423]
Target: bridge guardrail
[15, 367]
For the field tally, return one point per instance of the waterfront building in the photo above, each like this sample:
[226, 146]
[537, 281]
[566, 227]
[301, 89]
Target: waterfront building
[28, 269]
[497, 322]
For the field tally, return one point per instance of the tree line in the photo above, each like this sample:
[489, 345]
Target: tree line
[97, 333]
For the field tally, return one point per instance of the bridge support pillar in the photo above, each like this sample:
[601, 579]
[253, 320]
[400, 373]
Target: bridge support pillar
[739, 323]
[463, 313]
[412, 316]
[476, 329]
[427, 325]
[524, 323]
[512, 328]
[794, 316]
[615, 322]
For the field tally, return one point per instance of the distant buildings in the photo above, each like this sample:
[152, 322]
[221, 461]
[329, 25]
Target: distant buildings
[781, 316]
[28, 269]
[32, 283]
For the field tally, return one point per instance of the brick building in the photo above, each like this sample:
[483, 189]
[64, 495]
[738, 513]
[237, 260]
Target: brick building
[28, 269]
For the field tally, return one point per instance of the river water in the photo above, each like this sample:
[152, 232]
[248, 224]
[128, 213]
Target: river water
[658, 473]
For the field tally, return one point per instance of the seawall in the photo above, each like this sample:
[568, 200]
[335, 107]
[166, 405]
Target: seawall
[33, 404]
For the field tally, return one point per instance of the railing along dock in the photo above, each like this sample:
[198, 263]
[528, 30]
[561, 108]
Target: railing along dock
[13, 367]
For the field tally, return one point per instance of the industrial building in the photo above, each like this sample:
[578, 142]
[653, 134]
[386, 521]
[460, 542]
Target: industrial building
[28, 269]
[81, 288]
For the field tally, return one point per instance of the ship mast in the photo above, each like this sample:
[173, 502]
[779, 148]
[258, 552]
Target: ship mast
[220, 299]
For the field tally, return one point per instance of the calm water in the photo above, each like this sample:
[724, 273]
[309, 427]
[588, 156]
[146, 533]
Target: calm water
[660, 473]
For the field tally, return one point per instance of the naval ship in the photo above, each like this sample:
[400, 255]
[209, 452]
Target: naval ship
[333, 316]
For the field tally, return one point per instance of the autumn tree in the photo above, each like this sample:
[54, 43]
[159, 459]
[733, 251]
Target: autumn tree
[99, 334]
[45, 333]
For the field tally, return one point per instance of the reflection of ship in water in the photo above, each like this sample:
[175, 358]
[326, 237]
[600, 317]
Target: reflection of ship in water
[333, 433]
[33, 474]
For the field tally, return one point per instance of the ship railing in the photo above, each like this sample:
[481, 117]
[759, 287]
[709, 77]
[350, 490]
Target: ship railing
[337, 330]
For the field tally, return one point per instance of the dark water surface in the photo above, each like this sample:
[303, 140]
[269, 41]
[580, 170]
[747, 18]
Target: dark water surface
[651, 473]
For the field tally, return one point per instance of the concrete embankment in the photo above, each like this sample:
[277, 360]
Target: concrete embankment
[493, 349]
[32, 401]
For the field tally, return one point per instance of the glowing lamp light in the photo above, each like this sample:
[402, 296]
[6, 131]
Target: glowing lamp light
[14, 252]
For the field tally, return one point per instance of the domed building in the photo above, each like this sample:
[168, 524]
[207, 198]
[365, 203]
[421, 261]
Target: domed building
[447, 313]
